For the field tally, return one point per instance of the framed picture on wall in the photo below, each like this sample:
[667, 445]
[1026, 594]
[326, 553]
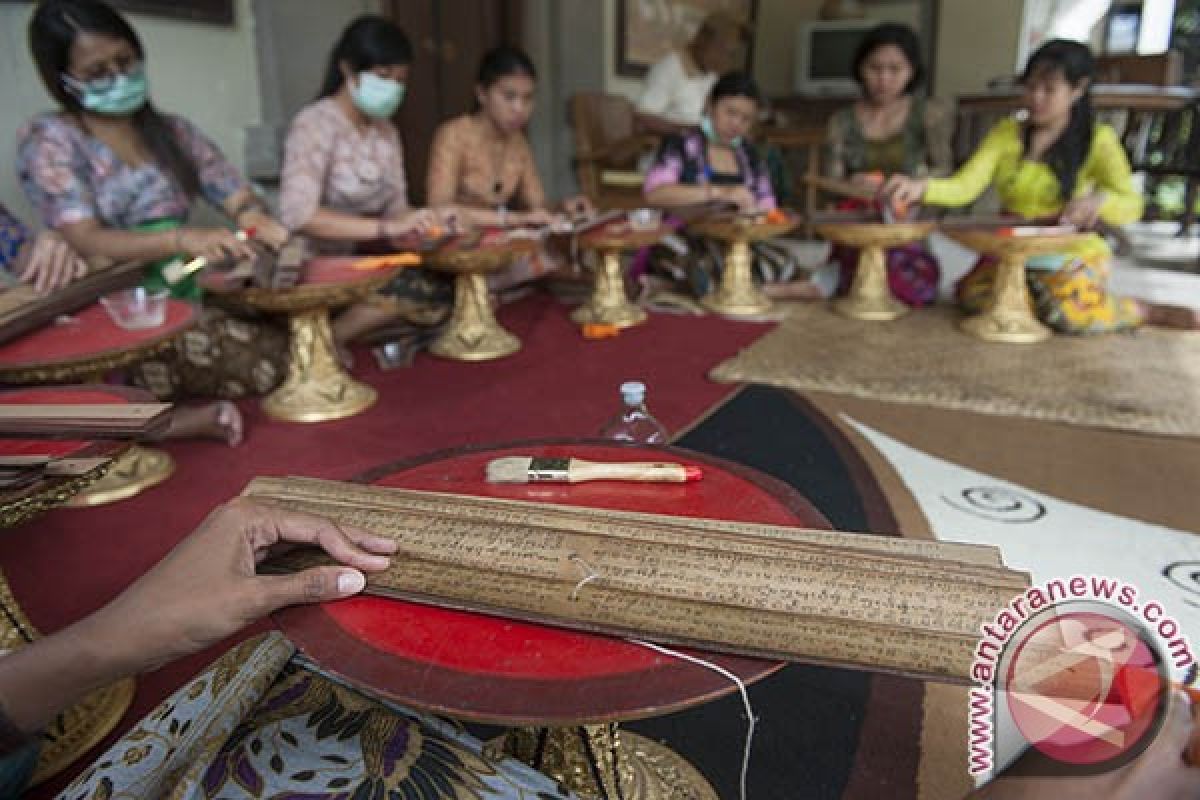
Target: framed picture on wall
[219, 12]
[649, 29]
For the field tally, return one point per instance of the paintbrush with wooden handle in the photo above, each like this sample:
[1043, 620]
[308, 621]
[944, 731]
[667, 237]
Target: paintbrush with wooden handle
[541, 469]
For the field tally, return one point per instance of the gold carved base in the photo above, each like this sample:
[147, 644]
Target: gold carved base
[602, 762]
[131, 473]
[870, 298]
[737, 296]
[473, 334]
[1008, 317]
[316, 388]
[82, 726]
[609, 304]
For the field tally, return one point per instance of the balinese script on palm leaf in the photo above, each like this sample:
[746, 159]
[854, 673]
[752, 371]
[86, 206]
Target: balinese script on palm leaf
[856, 600]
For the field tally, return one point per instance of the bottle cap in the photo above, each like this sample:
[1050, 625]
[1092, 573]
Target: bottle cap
[633, 392]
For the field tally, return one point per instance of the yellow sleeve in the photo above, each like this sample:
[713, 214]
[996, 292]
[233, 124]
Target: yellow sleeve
[1108, 170]
[964, 186]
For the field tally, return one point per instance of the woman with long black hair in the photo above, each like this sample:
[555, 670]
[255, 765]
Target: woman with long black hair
[343, 182]
[1057, 162]
[117, 179]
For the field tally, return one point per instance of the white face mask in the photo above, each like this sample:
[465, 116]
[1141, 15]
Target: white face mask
[375, 96]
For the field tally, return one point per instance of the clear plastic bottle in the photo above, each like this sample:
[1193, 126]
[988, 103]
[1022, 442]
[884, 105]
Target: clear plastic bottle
[634, 423]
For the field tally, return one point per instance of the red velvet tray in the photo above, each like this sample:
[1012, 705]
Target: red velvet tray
[490, 669]
[92, 335]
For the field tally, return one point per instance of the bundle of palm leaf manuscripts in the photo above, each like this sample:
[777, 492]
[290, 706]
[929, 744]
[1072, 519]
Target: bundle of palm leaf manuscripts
[871, 602]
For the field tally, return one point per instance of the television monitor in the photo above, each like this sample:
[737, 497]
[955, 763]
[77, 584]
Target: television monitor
[825, 55]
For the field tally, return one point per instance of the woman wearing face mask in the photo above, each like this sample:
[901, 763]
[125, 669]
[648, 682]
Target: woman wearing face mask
[713, 163]
[481, 162]
[116, 179]
[343, 181]
[1057, 162]
[890, 130]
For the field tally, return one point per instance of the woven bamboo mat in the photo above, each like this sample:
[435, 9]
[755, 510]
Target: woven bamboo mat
[1146, 381]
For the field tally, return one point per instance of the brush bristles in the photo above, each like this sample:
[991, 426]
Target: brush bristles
[510, 469]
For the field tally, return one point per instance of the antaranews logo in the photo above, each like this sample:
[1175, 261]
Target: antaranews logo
[1078, 668]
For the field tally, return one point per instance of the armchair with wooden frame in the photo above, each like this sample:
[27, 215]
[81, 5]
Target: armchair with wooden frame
[607, 149]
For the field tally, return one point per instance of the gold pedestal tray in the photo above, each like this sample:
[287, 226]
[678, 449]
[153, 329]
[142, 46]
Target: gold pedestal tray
[81, 727]
[870, 298]
[56, 493]
[472, 333]
[130, 473]
[609, 303]
[316, 388]
[598, 762]
[737, 296]
[1009, 316]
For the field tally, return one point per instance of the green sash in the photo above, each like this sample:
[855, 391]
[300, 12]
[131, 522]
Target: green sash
[153, 281]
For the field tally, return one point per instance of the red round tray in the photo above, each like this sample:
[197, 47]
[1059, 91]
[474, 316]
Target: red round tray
[496, 670]
[93, 334]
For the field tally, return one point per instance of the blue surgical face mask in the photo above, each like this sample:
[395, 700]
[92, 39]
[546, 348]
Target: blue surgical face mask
[710, 133]
[118, 95]
[375, 96]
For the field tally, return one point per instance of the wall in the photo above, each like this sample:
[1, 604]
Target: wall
[976, 42]
[207, 72]
[290, 75]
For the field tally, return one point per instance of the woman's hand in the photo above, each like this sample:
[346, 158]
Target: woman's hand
[267, 229]
[740, 196]
[49, 263]
[902, 191]
[213, 244]
[207, 588]
[1083, 212]
[418, 222]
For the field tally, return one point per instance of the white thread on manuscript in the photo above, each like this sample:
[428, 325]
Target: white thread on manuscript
[751, 721]
[589, 576]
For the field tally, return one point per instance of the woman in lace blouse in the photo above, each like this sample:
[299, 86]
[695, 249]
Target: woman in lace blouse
[343, 182]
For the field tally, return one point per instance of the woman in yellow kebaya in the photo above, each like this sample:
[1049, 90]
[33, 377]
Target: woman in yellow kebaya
[1058, 162]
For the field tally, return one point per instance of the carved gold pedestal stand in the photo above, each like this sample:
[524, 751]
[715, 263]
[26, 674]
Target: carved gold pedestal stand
[316, 388]
[609, 303]
[139, 467]
[130, 473]
[869, 297]
[737, 296]
[1009, 316]
[603, 762]
[472, 333]
[81, 727]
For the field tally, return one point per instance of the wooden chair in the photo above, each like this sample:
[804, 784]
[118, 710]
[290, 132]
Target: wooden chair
[802, 148]
[607, 149]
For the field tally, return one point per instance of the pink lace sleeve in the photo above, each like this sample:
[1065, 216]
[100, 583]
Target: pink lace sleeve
[305, 163]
